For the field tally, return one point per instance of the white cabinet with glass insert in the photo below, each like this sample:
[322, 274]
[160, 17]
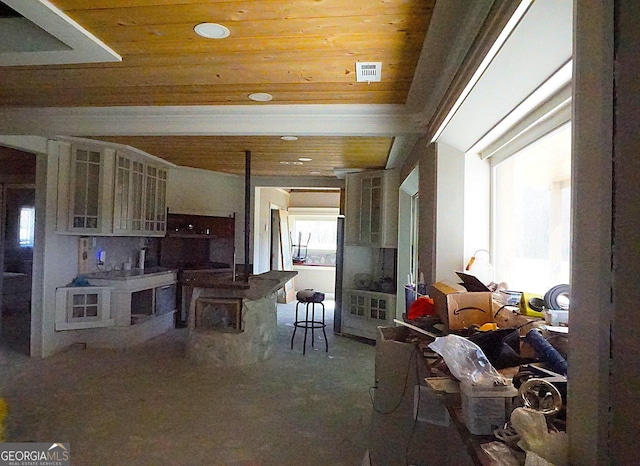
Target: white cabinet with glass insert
[155, 211]
[110, 191]
[83, 307]
[128, 195]
[364, 311]
[85, 188]
[371, 208]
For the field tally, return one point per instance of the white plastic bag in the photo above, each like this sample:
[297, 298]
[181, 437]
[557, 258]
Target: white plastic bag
[466, 361]
[542, 447]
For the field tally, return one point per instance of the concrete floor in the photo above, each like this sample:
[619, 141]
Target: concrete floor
[150, 406]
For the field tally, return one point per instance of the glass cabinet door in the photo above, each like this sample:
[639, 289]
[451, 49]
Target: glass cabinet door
[85, 211]
[161, 202]
[121, 194]
[371, 210]
[128, 196]
[150, 199]
[137, 190]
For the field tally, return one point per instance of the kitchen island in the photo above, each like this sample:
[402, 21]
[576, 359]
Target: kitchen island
[233, 322]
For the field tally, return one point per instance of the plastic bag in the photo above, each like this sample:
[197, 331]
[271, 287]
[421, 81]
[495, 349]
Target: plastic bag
[500, 454]
[537, 441]
[466, 361]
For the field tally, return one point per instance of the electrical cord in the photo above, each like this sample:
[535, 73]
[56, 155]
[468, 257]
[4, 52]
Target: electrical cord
[404, 389]
[395, 408]
[503, 307]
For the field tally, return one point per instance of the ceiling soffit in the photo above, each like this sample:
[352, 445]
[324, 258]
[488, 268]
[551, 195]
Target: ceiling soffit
[538, 47]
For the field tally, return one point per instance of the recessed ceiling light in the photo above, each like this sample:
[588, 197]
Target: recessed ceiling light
[261, 97]
[305, 159]
[289, 138]
[297, 163]
[212, 30]
[314, 173]
[284, 162]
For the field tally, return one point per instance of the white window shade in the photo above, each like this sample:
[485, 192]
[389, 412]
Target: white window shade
[531, 215]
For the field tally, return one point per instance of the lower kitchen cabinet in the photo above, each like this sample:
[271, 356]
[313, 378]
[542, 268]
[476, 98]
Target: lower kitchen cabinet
[364, 311]
[83, 307]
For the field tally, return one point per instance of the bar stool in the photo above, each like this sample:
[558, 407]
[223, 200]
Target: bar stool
[309, 297]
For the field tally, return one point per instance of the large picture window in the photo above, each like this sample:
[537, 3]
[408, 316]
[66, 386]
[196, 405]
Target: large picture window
[314, 238]
[531, 214]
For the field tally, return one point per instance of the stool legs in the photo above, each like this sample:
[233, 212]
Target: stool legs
[295, 325]
[326, 343]
[310, 324]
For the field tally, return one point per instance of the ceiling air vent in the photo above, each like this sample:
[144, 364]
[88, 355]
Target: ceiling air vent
[367, 72]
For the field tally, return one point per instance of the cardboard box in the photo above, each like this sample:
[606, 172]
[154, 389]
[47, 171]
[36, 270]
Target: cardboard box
[460, 309]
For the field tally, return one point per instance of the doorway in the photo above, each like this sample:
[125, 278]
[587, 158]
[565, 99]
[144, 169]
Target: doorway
[17, 241]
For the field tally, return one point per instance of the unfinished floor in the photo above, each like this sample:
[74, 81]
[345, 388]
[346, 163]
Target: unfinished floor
[151, 406]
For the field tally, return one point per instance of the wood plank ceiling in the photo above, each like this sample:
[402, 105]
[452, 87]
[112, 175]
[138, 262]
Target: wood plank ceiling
[301, 52]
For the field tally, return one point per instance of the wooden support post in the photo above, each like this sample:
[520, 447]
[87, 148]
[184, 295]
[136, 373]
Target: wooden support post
[247, 211]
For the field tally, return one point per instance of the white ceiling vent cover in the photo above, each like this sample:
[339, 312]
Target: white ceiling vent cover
[368, 72]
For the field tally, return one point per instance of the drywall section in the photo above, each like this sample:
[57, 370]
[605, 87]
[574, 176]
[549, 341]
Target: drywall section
[449, 212]
[319, 278]
[423, 156]
[314, 198]
[477, 205]
[589, 395]
[265, 200]
[408, 189]
[203, 192]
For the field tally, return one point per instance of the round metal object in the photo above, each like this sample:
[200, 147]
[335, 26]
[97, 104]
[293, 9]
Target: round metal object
[541, 396]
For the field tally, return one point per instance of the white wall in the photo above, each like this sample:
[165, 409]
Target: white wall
[408, 189]
[316, 277]
[477, 205]
[449, 212]
[264, 199]
[314, 199]
[203, 192]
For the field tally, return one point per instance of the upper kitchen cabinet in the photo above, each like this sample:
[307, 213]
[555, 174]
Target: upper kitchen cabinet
[140, 206]
[106, 189]
[155, 206]
[371, 209]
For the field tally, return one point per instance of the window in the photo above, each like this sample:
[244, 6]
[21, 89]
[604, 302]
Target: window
[531, 215]
[26, 227]
[314, 238]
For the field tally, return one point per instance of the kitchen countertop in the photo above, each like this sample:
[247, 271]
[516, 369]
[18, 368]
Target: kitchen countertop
[127, 274]
[259, 286]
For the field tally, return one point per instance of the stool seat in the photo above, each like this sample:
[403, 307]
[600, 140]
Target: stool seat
[309, 298]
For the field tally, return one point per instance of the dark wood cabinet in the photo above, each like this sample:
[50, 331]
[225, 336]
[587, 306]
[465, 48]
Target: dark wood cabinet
[190, 226]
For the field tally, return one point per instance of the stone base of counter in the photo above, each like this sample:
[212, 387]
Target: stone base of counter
[253, 344]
